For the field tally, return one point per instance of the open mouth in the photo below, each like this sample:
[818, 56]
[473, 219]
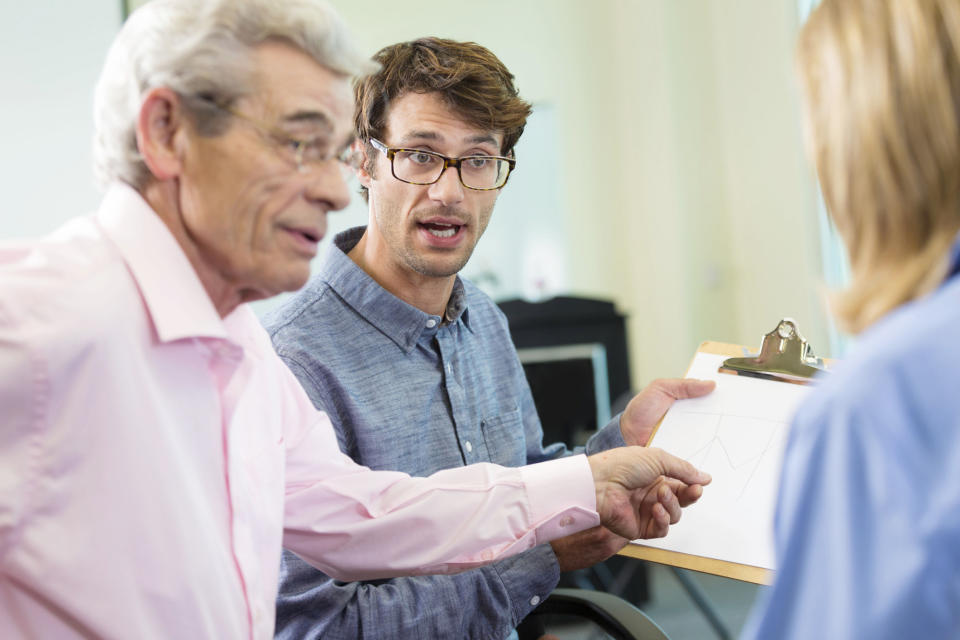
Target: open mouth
[440, 230]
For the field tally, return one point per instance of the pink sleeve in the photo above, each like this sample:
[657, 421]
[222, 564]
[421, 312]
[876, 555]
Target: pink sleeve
[356, 524]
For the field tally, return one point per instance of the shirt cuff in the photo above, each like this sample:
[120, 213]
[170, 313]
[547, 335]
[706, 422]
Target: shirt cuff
[562, 497]
[529, 578]
[610, 437]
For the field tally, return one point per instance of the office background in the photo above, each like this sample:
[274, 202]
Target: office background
[663, 168]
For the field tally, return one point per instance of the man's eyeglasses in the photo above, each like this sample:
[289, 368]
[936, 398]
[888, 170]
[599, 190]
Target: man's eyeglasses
[416, 166]
[308, 155]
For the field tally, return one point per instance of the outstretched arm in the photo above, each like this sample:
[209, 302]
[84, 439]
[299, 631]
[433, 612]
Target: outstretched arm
[354, 523]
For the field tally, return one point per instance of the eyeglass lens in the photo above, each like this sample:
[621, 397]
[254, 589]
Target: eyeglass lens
[478, 172]
[312, 154]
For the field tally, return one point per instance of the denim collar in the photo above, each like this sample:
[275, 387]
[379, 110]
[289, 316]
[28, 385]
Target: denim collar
[399, 321]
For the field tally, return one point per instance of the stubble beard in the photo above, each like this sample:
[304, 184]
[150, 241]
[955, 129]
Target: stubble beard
[420, 264]
[426, 268]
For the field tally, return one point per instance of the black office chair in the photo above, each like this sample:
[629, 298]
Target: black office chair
[615, 616]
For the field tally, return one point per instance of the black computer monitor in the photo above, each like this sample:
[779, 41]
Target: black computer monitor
[570, 389]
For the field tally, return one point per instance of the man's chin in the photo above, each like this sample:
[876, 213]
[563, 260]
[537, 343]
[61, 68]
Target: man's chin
[433, 270]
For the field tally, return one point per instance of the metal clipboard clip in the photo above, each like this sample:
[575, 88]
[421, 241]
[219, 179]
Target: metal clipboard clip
[784, 356]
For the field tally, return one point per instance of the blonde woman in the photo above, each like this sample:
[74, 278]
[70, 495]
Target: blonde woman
[868, 523]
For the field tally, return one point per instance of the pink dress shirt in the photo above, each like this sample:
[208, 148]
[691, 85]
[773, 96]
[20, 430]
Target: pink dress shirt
[154, 457]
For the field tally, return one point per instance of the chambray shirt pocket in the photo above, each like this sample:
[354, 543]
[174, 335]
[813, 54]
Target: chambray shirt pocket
[504, 438]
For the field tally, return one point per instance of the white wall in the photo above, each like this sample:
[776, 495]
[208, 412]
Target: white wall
[52, 51]
[680, 179]
[714, 191]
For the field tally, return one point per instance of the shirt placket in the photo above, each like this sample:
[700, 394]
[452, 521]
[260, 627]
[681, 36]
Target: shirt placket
[224, 359]
[467, 431]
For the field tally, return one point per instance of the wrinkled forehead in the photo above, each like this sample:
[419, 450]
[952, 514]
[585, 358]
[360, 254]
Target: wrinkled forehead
[291, 86]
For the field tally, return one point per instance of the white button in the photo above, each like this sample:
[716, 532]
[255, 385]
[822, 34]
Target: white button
[468, 446]
[535, 600]
[431, 323]
[566, 521]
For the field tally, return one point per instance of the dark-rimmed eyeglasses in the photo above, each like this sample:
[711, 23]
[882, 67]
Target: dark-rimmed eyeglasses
[416, 166]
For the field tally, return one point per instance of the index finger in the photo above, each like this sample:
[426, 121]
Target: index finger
[686, 494]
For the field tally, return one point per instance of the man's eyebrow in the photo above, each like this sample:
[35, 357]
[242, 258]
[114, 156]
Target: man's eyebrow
[317, 118]
[432, 136]
[482, 138]
[420, 135]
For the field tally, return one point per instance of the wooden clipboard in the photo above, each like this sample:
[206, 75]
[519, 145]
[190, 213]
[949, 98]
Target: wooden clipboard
[785, 356]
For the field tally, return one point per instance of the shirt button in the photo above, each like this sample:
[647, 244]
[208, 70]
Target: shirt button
[468, 446]
[431, 323]
[566, 521]
[487, 555]
[535, 600]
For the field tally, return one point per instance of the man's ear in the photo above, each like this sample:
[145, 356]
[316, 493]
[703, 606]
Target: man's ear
[161, 127]
[360, 150]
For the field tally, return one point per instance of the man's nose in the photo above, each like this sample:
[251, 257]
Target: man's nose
[448, 190]
[328, 184]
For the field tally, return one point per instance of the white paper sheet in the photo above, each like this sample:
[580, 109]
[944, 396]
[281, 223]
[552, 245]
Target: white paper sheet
[737, 434]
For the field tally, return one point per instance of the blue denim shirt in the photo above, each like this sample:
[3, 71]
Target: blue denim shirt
[417, 393]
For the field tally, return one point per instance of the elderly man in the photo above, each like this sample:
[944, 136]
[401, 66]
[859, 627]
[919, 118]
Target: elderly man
[154, 451]
[414, 365]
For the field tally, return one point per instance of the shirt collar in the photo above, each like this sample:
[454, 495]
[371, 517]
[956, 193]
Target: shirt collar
[401, 322]
[178, 304]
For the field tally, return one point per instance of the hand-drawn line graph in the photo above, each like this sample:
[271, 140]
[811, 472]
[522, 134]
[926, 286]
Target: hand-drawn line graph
[730, 447]
[737, 434]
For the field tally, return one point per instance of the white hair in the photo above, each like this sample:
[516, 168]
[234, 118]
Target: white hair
[202, 49]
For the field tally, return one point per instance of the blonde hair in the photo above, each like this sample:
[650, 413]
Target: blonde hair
[202, 48]
[881, 85]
